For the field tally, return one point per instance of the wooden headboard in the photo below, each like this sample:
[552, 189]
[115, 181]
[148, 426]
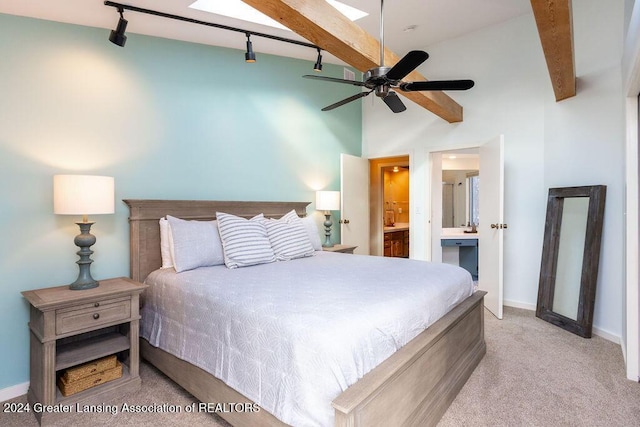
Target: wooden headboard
[144, 230]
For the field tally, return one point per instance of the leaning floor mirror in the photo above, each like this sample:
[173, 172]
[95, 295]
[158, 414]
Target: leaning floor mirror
[570, 257]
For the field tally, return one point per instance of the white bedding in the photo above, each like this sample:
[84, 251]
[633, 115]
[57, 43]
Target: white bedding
[292, 335]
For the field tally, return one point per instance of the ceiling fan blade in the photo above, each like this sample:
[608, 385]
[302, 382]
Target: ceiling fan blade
[333, 80]
[407, 64]
[394, 103]
[437, 85]
[346, 100]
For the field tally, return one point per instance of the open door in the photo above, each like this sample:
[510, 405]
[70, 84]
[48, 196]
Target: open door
[492, 227]
[354, 191]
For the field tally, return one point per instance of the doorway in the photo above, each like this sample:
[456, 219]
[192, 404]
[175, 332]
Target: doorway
[395, 196]
[390, 206]
[491, 225]
[455, 202]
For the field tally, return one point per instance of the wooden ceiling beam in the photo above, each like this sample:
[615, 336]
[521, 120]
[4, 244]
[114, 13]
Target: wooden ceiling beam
[555, 27]
[324, 26]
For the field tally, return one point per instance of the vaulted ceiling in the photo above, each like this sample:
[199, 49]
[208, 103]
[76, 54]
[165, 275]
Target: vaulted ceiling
[324, 26]
[353, 43]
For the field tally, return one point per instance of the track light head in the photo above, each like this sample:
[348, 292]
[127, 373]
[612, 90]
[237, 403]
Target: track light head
[117, 36]
[249, 56]
[318, 65]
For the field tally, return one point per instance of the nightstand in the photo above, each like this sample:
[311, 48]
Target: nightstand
[68, 328]
[345, 249]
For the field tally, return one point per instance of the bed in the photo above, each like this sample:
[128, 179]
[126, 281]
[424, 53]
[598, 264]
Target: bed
[412, 386]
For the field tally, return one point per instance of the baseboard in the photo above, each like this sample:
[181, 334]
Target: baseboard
[14, 391]
[606, 335]
[596, 331]
[518, 304]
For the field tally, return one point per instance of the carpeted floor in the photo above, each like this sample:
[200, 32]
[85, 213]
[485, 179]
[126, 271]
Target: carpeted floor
[534, 374]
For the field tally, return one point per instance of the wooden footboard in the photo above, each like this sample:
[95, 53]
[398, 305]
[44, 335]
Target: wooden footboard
[413, 387]
[416, 385]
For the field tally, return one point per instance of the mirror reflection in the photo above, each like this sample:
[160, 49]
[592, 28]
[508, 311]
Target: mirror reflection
[460, 188]
[460, 191]
[569, 271]
[460, 198]
[570, 249]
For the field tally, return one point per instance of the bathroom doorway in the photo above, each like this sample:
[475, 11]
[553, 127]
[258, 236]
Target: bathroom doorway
[456, 174]
[390, 206]
[395, 183]
[490, 222]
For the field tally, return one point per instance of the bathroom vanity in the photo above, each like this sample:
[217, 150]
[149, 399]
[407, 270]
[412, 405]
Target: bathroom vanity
[461, 249]
[396, 240]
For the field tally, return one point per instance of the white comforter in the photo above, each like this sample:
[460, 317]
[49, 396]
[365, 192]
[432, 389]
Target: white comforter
[292, 335]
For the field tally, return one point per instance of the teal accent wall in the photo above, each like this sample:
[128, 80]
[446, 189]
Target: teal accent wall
[167, 119]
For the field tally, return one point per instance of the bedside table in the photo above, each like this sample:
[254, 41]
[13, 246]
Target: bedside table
[345, 249]
[68, 328]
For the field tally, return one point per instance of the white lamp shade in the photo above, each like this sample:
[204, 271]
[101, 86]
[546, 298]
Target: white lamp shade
[83, 195]
[328, 200]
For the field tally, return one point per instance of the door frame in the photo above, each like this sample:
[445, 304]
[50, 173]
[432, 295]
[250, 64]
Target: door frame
[430, 151]
[630, 339]
[495, 306]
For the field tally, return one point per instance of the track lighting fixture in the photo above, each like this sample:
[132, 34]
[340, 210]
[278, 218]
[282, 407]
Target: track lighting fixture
[117, 36]
[318, 66]
[249, 56]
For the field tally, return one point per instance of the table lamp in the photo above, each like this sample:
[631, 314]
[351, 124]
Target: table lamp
[327, 201]
[83, 195]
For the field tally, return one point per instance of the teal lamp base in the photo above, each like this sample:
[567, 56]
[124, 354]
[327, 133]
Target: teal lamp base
[327, 230]
[84, 241]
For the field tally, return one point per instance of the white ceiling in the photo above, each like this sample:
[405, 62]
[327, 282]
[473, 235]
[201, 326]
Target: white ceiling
[435, 20]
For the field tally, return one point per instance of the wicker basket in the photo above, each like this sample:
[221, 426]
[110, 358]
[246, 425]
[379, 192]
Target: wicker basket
[81, 371]
[71, 387]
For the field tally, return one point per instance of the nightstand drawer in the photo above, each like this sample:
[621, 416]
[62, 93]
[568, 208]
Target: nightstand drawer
[92, 314]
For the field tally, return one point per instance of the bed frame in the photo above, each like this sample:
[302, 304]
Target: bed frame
[413, 387]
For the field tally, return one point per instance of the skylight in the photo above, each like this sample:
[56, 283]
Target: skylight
[239, 10]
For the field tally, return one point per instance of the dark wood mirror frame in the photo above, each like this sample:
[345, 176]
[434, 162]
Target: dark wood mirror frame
[590, 258]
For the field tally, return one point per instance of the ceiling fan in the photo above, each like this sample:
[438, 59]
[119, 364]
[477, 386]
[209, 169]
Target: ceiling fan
[384, 81]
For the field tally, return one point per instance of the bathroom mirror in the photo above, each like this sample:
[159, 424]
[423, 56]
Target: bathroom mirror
[570, 257]
[460, 189]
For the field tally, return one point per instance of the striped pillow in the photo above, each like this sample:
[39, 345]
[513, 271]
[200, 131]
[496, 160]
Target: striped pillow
[289, 238]
[244, 241]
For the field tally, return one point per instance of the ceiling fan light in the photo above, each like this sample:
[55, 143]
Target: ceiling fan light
[249, 56]
[318, 65]
[117, 36]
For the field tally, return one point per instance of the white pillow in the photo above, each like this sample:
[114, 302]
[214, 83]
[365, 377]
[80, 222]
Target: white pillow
[165, 244]
[288, 237]
[195, 244]
[245, 242]
[312, 230]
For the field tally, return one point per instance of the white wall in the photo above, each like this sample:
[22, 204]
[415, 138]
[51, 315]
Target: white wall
[547, 144]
